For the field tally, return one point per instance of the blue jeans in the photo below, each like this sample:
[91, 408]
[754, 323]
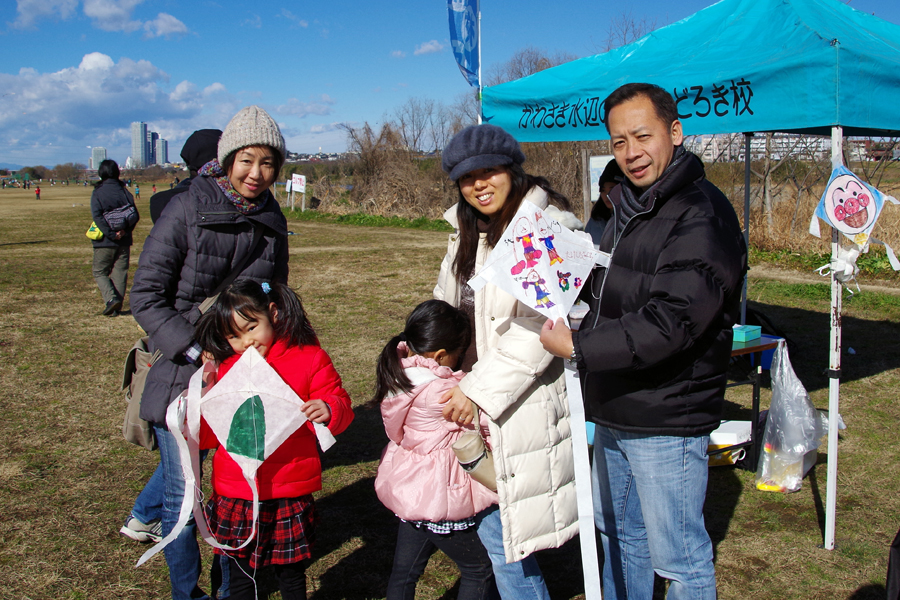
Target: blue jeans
[148, 505]
[183, 554]
[648, 505]
[520, 580]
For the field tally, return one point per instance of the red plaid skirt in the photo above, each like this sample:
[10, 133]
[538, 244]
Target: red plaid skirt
[285, 531]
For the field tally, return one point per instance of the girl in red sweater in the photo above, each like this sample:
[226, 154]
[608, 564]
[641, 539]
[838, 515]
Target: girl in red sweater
[271, 318]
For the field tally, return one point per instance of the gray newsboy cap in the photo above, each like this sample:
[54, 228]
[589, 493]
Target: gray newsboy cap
[479, 147]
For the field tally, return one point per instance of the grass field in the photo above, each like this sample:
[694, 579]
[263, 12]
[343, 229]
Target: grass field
[68, 479]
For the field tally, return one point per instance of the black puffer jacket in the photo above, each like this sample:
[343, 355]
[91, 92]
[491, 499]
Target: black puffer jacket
[655, 347]
[190, 250]
[110, 194]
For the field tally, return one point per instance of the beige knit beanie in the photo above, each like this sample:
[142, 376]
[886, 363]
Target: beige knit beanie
[252, 126]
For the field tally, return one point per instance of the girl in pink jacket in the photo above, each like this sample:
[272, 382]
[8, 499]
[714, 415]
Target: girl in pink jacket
[419, 477]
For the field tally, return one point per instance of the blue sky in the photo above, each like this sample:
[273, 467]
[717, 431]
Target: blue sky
[75, 74]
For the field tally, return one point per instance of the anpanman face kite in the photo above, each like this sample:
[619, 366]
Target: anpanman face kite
[849, 205]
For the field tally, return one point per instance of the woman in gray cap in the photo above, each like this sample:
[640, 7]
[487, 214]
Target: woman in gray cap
[511, 379]
[227, 218]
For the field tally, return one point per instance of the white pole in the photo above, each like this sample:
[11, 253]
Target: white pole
[587, 537]
[478, 20]
[834, 362]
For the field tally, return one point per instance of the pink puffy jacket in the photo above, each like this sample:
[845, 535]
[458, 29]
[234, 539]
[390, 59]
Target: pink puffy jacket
[419, 478]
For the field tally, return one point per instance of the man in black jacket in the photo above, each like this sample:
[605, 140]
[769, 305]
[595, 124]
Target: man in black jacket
[654, 350]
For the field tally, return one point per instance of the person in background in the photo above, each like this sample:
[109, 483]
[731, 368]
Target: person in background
[518, 385]
[602, 212]
[137, 192]
[199, 149]
[192, 248]
[112, 252]
[654, 349]
[37, 193]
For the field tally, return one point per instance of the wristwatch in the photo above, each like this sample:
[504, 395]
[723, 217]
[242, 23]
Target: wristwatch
[573, 357]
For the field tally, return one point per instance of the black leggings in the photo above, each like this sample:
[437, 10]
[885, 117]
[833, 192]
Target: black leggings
[415, 545]
[291, 580]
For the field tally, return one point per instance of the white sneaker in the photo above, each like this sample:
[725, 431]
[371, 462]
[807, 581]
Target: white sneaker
[141, 532]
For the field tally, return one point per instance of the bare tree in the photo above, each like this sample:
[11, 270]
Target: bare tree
[625, 29]
[525, 62]
[414, 121]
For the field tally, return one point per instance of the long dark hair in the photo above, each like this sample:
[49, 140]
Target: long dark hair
[431, 326]
[108, 169]
[468, 217]
[247, 298]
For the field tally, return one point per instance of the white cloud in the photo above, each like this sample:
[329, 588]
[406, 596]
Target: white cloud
[96, 60]
[51, 117]
[112, 15]
[214, 88]
[164, 25]
[292, 17]
[255, 22]
[428, 48]
[325, 127]
[30, 11]
[295, 108]
[398, 54]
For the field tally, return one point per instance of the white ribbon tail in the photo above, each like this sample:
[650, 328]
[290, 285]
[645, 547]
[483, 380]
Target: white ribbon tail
[814, 226]
[480, 280]
[587, 536]
[892, 258]
[203, 528]
[175, 415]
[324, 435]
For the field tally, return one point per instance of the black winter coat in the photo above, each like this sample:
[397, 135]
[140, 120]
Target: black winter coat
[110, 194]
[654, 349]
[191, 249]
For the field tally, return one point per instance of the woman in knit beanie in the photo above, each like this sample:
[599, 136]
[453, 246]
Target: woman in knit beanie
[227, 224]
[251, 154]
[511, 379]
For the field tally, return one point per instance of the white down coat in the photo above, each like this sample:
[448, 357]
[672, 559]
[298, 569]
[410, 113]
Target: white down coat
[521, 387]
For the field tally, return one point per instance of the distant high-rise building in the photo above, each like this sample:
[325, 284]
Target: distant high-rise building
[98, 155]
[139, 154]
[152, 137]
[162, 151]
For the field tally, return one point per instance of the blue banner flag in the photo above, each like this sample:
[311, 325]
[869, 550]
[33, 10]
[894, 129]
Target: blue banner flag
[464, 37]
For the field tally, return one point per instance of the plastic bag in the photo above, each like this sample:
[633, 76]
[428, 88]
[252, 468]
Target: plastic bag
[794, 430]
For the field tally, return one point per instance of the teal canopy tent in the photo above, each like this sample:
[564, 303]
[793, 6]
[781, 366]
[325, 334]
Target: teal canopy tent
[740, 65]
[801, 66]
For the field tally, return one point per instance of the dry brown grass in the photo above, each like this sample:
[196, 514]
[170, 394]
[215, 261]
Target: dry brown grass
[68, 479]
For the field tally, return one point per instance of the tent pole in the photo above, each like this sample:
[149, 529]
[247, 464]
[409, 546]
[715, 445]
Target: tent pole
[480, 88]
[834, 362]
[747, 137]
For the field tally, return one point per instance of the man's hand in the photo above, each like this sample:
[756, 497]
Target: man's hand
[557, 338]
[458, 407]
[317, 411]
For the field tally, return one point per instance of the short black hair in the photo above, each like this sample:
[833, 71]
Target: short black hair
[662, 101]
[108, 169]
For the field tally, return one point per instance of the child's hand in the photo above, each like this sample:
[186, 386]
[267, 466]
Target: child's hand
[317, 411]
